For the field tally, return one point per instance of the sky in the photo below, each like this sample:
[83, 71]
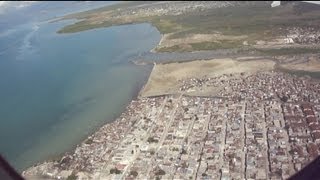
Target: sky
[7, 5]
[315, 2]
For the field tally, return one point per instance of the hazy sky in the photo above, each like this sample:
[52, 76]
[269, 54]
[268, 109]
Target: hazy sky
[6, 5]
[316, 2]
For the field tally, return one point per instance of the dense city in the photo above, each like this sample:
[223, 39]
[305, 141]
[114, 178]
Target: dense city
[304, 35]
[259, 126]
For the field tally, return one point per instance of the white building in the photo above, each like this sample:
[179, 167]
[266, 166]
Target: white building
[275, 3]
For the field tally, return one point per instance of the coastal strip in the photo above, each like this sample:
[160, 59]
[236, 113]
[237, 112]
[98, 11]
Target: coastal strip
[123, 147]
[187, 131]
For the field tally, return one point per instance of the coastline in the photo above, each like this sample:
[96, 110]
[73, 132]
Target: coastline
[66, 122]
[89, 144]
[153, 50]
[33, 171]
[100, 130]
[120, 127]
[146, 82]
[134, 95]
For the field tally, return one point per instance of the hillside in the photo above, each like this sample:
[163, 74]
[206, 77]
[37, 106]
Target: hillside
[193, 26]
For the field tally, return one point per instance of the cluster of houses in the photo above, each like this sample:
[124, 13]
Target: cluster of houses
[172, 8]
[304, 35]
[261, 126]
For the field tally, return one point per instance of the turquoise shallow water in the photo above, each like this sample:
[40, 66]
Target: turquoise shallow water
[57, 89]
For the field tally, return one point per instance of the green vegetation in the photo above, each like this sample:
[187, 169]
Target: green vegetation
[175, 48]
[72, 177]
[288, 51]
[120, 5]
[222, 44]
[152, 140]
[160, 172]
[175, 149]
[165, 25]
[183, 151]
[237, 20]
[89, 141]
[134, 173]
[241, 48]
[216, 45]
[243, 20]
[82, 26]
[115, 171]
[230, 20]
[258, 21]
[299, 72]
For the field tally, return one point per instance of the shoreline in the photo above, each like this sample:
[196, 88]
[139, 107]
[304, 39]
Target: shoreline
[134, 96]
[91, 144]
[140, 86]
[146, 82]
[153, 50]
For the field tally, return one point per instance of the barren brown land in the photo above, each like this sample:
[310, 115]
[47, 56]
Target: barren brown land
[309, 63]
[167, 78]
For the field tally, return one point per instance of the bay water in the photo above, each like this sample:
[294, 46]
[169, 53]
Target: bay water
[56, 89]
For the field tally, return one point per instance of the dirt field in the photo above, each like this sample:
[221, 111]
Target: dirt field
[167, 41]
[164, 78]
[311, 64]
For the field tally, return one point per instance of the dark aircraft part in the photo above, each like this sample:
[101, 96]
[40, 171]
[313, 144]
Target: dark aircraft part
[310, 172]
[7, 172]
